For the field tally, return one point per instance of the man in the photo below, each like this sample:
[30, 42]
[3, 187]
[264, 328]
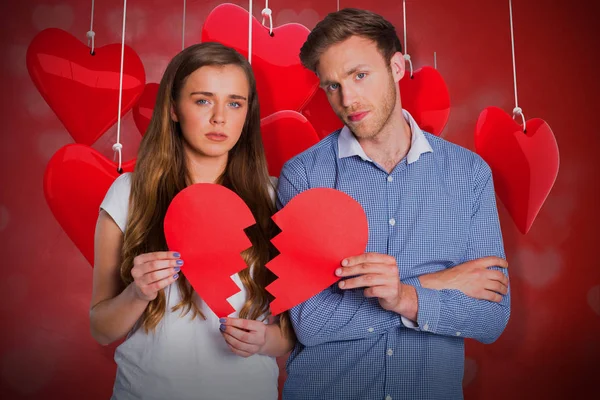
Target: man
[394, 326]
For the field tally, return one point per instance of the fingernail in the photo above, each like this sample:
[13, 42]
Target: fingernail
[222, 320]
[222, 327]
[179, 262]
[344, 262]
[342, 284]
[177, 269]
[176, 255]
[338, 271]
[175, 276]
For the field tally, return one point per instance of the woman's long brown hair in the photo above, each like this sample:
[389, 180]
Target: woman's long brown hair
[161, 172]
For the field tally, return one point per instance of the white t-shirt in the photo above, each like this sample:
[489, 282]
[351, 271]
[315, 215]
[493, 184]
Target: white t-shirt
[185, 358]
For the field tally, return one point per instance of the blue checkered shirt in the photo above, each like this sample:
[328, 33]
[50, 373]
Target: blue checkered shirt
[435, 210]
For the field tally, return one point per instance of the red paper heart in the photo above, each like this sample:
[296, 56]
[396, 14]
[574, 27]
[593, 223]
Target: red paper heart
[282, 82]
[524, 165]
[81, 89]
[285, 134]
[319, 113]
[76, 180]
[205, 223]
[425, 96]
[142, 110]
[320, 227]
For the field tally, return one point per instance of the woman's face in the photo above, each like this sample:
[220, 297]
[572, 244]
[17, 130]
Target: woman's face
[211, 109]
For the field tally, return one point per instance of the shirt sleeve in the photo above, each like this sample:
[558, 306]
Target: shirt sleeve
[116, 201]
[451, 312]
[333, 314]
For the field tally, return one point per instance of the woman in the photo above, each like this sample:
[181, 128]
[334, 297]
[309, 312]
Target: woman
[205, 129]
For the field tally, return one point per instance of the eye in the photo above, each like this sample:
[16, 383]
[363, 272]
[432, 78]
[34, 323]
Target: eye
[360, 75]
[333, 86]
[202, 101]
[235, 104]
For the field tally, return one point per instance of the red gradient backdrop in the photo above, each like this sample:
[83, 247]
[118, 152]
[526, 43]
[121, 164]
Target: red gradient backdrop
[551, 347]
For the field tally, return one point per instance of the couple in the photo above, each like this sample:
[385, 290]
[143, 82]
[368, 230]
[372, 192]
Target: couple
[392, 328]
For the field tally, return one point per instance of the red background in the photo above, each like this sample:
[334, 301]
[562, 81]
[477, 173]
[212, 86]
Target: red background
[551, 347]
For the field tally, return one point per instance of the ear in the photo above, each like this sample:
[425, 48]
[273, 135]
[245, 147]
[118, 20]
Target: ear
[398, 66]
[174, 114]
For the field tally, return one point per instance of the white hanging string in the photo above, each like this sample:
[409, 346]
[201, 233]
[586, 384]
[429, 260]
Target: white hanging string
[183, 28]
[267, 13]
[117, 147]
[434, 60]
[338, 5]
[406, 55]
[91, 34]
[250, 31]
[517, 110]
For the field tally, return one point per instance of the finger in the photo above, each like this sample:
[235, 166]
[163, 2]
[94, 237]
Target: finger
[375, 258]
[142, 269]
[367, 280]
[380, 292]
[242, 323]
[156, 286]
[240, 345]
[497, 276]
[497, 287]
[155, 276]
[490, 296]
[157, 255]
[364, 268]
[238, 352]
[240, 334]
[492, 261]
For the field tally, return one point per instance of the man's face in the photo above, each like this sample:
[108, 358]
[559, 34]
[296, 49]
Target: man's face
[361, 86]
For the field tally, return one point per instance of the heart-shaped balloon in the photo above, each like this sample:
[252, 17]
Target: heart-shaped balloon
[83, 89]
[524, 164]
[142, 110]
[76, 180]
[205, 223]
[425, 96]
[285, 134]
[320, 227]
[282, 82]
[319, 113]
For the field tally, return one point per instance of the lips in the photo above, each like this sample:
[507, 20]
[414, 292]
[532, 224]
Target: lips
[216, 136]
[357, 116]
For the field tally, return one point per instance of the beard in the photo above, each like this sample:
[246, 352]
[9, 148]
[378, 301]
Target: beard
[380, 114]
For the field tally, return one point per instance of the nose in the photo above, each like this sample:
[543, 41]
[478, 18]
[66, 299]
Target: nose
[218, 116]
[349, 96]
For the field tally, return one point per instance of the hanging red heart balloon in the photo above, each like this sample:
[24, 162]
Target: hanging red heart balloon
[76, 180]
[524, 164]
[285, 134]
[282, 82]
[83, 89]
[320, 227]
[142, 110]
[425, 96]
[319, 113]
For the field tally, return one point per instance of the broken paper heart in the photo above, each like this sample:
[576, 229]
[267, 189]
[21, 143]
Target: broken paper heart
[206, 223]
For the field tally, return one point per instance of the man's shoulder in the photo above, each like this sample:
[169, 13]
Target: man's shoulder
[456, 156]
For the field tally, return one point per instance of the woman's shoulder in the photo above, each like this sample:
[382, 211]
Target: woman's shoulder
[116, 200]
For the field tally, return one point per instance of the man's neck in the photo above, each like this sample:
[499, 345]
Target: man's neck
[391, 144]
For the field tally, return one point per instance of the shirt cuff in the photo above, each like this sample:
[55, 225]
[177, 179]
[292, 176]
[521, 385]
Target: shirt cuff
[408, 323]
[428, 314]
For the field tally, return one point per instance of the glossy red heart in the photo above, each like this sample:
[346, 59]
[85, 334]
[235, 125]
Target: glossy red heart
[425, 96]
[83, 89]
[142, 110]
[524, 165]
[76, 180]
[319, 113]
[285, 134]
[320, 227]
[205, 223]
[282, 82]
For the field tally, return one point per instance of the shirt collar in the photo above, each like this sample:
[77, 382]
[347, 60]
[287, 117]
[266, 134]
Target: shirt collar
[348, 145]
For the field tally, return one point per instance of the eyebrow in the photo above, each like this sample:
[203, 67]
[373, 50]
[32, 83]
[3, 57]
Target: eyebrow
[210, 94]
[351, 71]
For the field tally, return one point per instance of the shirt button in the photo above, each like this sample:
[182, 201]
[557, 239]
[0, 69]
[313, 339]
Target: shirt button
[370, 329]
[388, 397]
[392, 221]
[426, 327]
[390, 178]
[390, 352]
[457, 333]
